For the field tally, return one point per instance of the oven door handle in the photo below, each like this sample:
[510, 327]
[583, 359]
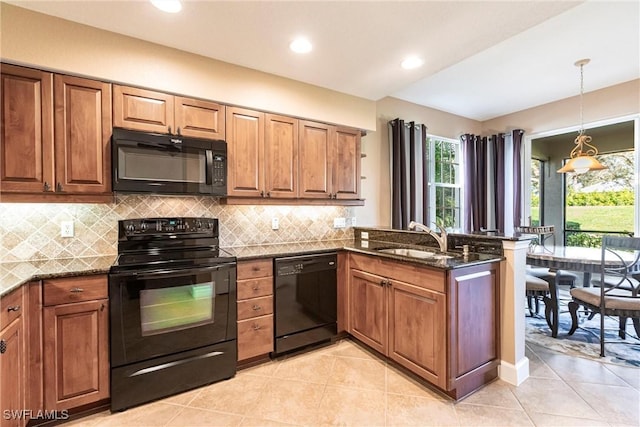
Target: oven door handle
[177, 273]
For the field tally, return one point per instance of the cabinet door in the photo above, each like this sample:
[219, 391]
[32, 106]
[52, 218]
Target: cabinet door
[199, 119]
[12, 374]
[346, 164]
[281, 156]
[141, 109]
[76, 354]
[82, 134]
[26, 142]
[368, 311]
[245, 152]
[417, 330]
[315, 154]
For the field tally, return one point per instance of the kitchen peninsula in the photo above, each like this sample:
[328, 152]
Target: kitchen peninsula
[448, 283]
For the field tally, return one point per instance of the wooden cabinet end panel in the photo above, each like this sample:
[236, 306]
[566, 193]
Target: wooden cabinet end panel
[474, 299]
[12, 369]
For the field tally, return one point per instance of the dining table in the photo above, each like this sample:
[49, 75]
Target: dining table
[571, 258]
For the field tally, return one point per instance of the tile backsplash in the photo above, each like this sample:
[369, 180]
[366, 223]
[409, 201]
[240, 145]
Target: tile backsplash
[31, 231]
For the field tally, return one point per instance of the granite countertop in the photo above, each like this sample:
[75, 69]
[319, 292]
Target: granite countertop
[14, 274]
[455, 260]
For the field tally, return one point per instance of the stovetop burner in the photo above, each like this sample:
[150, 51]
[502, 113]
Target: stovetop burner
[163, 243]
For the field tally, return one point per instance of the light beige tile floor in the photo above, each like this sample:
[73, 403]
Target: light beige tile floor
[344, 384]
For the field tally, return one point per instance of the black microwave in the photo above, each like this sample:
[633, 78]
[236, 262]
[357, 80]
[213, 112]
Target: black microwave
[167, 164]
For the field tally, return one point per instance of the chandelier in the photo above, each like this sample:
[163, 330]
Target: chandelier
[582, 158]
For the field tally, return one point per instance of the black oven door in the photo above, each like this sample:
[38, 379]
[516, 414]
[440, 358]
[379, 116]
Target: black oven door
[162, 312]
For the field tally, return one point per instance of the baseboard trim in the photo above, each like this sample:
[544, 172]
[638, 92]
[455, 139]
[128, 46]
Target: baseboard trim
[514, 374]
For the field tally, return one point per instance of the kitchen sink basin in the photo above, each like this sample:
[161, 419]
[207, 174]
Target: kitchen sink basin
[415, 253]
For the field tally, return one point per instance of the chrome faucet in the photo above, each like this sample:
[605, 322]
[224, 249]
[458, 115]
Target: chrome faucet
[441, 239]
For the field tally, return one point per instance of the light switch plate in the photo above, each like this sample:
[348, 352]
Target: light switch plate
[66, 229]
[275, 223]
[340, 222]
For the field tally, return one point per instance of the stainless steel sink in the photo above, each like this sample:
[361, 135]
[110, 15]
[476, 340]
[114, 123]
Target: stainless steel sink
[415, 253]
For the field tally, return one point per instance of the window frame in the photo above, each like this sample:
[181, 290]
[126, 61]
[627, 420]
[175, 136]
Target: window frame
[434, 185]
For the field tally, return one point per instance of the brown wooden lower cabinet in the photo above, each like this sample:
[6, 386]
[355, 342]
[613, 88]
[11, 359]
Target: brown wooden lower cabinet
[255, 308]
[12, 367]
[75, 342]
[443, 325]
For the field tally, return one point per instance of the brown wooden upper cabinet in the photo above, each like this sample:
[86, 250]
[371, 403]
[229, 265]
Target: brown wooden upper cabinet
[55, 133]
[329, 161]
[273, 156]
[151, 111]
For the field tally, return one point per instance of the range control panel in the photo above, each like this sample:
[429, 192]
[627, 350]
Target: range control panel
[178, 225]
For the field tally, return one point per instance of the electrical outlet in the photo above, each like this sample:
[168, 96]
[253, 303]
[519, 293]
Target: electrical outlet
[339, 222]
[66, 229]
[364, 235]
[353, 221]
[275, 223]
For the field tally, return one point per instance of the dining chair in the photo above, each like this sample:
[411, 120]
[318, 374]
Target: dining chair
[619, 270]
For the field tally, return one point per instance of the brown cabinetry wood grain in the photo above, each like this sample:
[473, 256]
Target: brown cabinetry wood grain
[346, 164]
[54, 154]
[440, 324]
[153, 111]
[245, 152]
[142, 109]
[12, 360]
[75, 347]
[281, 156]
[316, 156]
[26, 148]
[82, 134]
[255, 308]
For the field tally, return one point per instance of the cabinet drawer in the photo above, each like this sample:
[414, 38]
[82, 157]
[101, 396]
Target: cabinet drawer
[255, 288]
[74, 289]
[254, 269]
[255, 337]
[255, 307]
[11, 306]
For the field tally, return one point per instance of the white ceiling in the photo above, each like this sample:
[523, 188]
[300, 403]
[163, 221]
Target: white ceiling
[483, 59]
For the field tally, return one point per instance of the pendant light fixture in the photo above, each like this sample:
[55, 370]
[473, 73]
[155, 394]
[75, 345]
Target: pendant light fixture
[582, 158]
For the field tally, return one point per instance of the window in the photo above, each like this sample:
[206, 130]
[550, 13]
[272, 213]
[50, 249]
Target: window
[600, 203]
[537, 183]
[445, 181]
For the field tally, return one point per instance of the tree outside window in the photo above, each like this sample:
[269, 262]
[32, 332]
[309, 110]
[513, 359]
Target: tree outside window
[445, 181]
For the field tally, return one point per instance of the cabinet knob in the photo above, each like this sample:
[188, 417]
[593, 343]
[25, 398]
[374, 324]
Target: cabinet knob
[13, 308]
[256, 308]
[76, 290]
[256, 327]
[179, 131]
[46, 186]
[59, 188]
[169, 129]
[255, 287]
[261, 193]
[268, 193]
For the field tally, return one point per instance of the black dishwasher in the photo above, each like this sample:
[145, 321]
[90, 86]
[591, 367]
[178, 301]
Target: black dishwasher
[305, 301]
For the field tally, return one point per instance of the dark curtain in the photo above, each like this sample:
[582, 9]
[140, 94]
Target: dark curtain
[409, 173]
[517, 135]
[484, 176]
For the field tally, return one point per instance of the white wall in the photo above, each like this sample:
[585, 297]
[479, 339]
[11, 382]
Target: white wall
[34, 39]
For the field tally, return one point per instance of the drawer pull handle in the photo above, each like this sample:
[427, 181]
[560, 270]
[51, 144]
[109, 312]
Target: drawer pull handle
[3, 346]
[256, 327]
[13, 308]
[255, 287]
[77, 290]
[256, 308]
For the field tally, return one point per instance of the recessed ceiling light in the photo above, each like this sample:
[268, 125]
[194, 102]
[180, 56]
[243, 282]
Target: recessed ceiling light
[171, 6]
[411, 62]
[301, 45]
